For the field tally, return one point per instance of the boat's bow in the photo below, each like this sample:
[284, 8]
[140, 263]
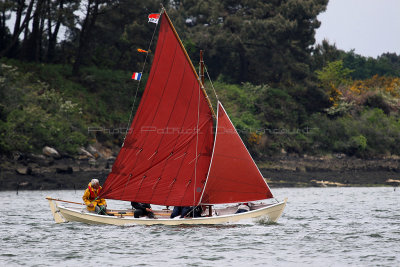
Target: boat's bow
[58, 218]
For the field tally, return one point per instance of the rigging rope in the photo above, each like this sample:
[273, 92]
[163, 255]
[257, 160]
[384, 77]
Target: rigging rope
[138, 85]
[134, 100]
[216, 96]
[212, 86]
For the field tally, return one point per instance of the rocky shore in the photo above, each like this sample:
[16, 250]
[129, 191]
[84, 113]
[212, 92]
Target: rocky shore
[49, 172]
[332, 170]
[60, 174]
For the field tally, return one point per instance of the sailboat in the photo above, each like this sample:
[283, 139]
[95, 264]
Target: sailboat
[173, 155]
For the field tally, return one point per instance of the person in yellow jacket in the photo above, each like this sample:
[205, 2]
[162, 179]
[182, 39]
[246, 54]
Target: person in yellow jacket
[93, 203]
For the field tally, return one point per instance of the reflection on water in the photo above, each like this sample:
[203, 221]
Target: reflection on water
[320, 226]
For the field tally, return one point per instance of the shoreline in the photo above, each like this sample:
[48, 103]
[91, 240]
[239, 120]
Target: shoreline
[286, 171]
[279, 179]
[331, 170]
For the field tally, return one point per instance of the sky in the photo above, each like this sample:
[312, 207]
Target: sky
[370, 27]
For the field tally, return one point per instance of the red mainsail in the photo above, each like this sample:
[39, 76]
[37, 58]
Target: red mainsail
[233, 175]
[164, 160]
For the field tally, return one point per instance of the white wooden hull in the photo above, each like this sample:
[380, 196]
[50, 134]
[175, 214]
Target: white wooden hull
[270, 213]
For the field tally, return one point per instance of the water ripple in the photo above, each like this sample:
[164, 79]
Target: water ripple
[329, 226]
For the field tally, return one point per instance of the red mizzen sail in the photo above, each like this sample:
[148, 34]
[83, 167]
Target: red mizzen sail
[157, 163]
[233, 175]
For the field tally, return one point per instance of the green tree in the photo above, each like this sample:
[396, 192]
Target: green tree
[117, 36]
[325, 53]
[334, 74]
[332, 77]
[256, 41]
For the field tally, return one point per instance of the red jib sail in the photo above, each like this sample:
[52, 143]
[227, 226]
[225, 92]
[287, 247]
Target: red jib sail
[164, 160]
[233, 175]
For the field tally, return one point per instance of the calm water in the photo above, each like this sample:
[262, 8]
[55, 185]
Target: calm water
[320, 226]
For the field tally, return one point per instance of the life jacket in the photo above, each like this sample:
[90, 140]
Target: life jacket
[93, 193]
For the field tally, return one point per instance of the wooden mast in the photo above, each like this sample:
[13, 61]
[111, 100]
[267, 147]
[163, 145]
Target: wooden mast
[201, 82]
[201, 67]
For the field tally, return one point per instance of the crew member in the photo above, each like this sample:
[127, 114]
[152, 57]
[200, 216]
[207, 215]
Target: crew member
[244, 207]
[142, 209]
[98, 205]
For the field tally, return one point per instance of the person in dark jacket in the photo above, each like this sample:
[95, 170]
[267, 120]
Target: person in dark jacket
[193, 212]
[243, 207]
[142, 209]
[177, 211]
[186, 212]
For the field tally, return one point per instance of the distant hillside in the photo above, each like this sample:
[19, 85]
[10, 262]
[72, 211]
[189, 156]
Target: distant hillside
[45, 105]
[285, 93]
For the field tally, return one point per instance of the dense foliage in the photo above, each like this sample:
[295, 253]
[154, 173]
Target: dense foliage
[66, 65]
[63, 112]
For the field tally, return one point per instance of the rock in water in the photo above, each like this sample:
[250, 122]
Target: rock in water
[51, 152]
